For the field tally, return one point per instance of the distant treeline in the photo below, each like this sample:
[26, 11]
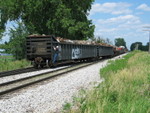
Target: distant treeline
[139, 46]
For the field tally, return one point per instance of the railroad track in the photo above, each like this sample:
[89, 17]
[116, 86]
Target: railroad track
[14, 85]
[23, 70]
[17, 71]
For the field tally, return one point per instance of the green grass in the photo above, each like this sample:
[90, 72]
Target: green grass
[126, 88]
[9, 63]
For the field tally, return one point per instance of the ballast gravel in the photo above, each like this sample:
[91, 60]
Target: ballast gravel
[51, 97]
[24, 75]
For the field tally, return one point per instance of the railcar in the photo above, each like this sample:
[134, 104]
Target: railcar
[40, 50]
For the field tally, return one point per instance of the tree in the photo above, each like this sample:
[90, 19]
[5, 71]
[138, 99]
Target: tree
[6, 47]
[120, 42]
[58, 17]
[17, 45]
[139, 45]
[135, 45]
[1, 46]
[100, 39]
[108, 41]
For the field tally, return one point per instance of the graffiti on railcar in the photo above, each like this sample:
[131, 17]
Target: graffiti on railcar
[76, 53]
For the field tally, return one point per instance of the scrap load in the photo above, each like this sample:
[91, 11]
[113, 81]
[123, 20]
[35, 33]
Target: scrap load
[85, 42]
[64, 40]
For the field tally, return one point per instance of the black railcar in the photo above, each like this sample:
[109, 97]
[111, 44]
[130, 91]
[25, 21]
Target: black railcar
[39, 50]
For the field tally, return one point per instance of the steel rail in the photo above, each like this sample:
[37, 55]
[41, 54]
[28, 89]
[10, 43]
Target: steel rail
[21, 83]
[17, 71]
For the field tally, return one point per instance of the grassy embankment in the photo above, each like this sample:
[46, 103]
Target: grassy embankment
[8, 63]
[126, 88]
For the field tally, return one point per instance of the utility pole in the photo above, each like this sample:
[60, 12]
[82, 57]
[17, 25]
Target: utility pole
[136, 47]
[149, 36]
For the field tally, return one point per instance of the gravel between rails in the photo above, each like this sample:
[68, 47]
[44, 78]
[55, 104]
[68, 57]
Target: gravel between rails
[52, 96]
[23, 75]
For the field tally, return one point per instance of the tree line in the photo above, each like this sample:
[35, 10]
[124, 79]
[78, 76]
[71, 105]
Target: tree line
[139, 46]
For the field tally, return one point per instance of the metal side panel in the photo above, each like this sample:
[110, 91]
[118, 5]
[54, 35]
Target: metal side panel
[38, 46]
[73, 51]
[105, 51]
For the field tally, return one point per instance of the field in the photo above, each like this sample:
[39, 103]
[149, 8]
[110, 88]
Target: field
[9, 63]
[126, 88]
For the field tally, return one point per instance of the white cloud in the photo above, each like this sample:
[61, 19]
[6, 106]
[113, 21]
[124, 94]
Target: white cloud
[122, 22]
[111, 7]
[119, 21]
[127, 26]
[144, 7]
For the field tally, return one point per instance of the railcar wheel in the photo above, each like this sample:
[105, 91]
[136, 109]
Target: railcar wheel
[41, 66]
[54, 65]
[35, 65]
[50, 64]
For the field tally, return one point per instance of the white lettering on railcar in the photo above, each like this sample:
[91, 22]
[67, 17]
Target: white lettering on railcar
[76, 53]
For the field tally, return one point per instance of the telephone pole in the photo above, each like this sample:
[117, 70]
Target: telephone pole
[149, 36]
[137, 47]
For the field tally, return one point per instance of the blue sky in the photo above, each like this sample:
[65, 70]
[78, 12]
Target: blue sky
[121, 18]
[118, 18]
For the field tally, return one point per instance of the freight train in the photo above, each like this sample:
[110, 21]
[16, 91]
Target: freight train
[47, 50]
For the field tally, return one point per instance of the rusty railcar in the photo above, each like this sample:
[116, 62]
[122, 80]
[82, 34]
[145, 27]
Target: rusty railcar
[39, 50]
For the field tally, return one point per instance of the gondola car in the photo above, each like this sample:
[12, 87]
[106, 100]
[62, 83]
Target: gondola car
[40, 50]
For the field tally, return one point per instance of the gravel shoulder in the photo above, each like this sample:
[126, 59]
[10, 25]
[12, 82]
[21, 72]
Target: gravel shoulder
[50, 97]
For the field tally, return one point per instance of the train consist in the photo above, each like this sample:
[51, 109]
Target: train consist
[46, 50]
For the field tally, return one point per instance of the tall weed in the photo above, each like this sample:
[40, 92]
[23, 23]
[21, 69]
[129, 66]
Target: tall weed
[126, 88]
[9, 63]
